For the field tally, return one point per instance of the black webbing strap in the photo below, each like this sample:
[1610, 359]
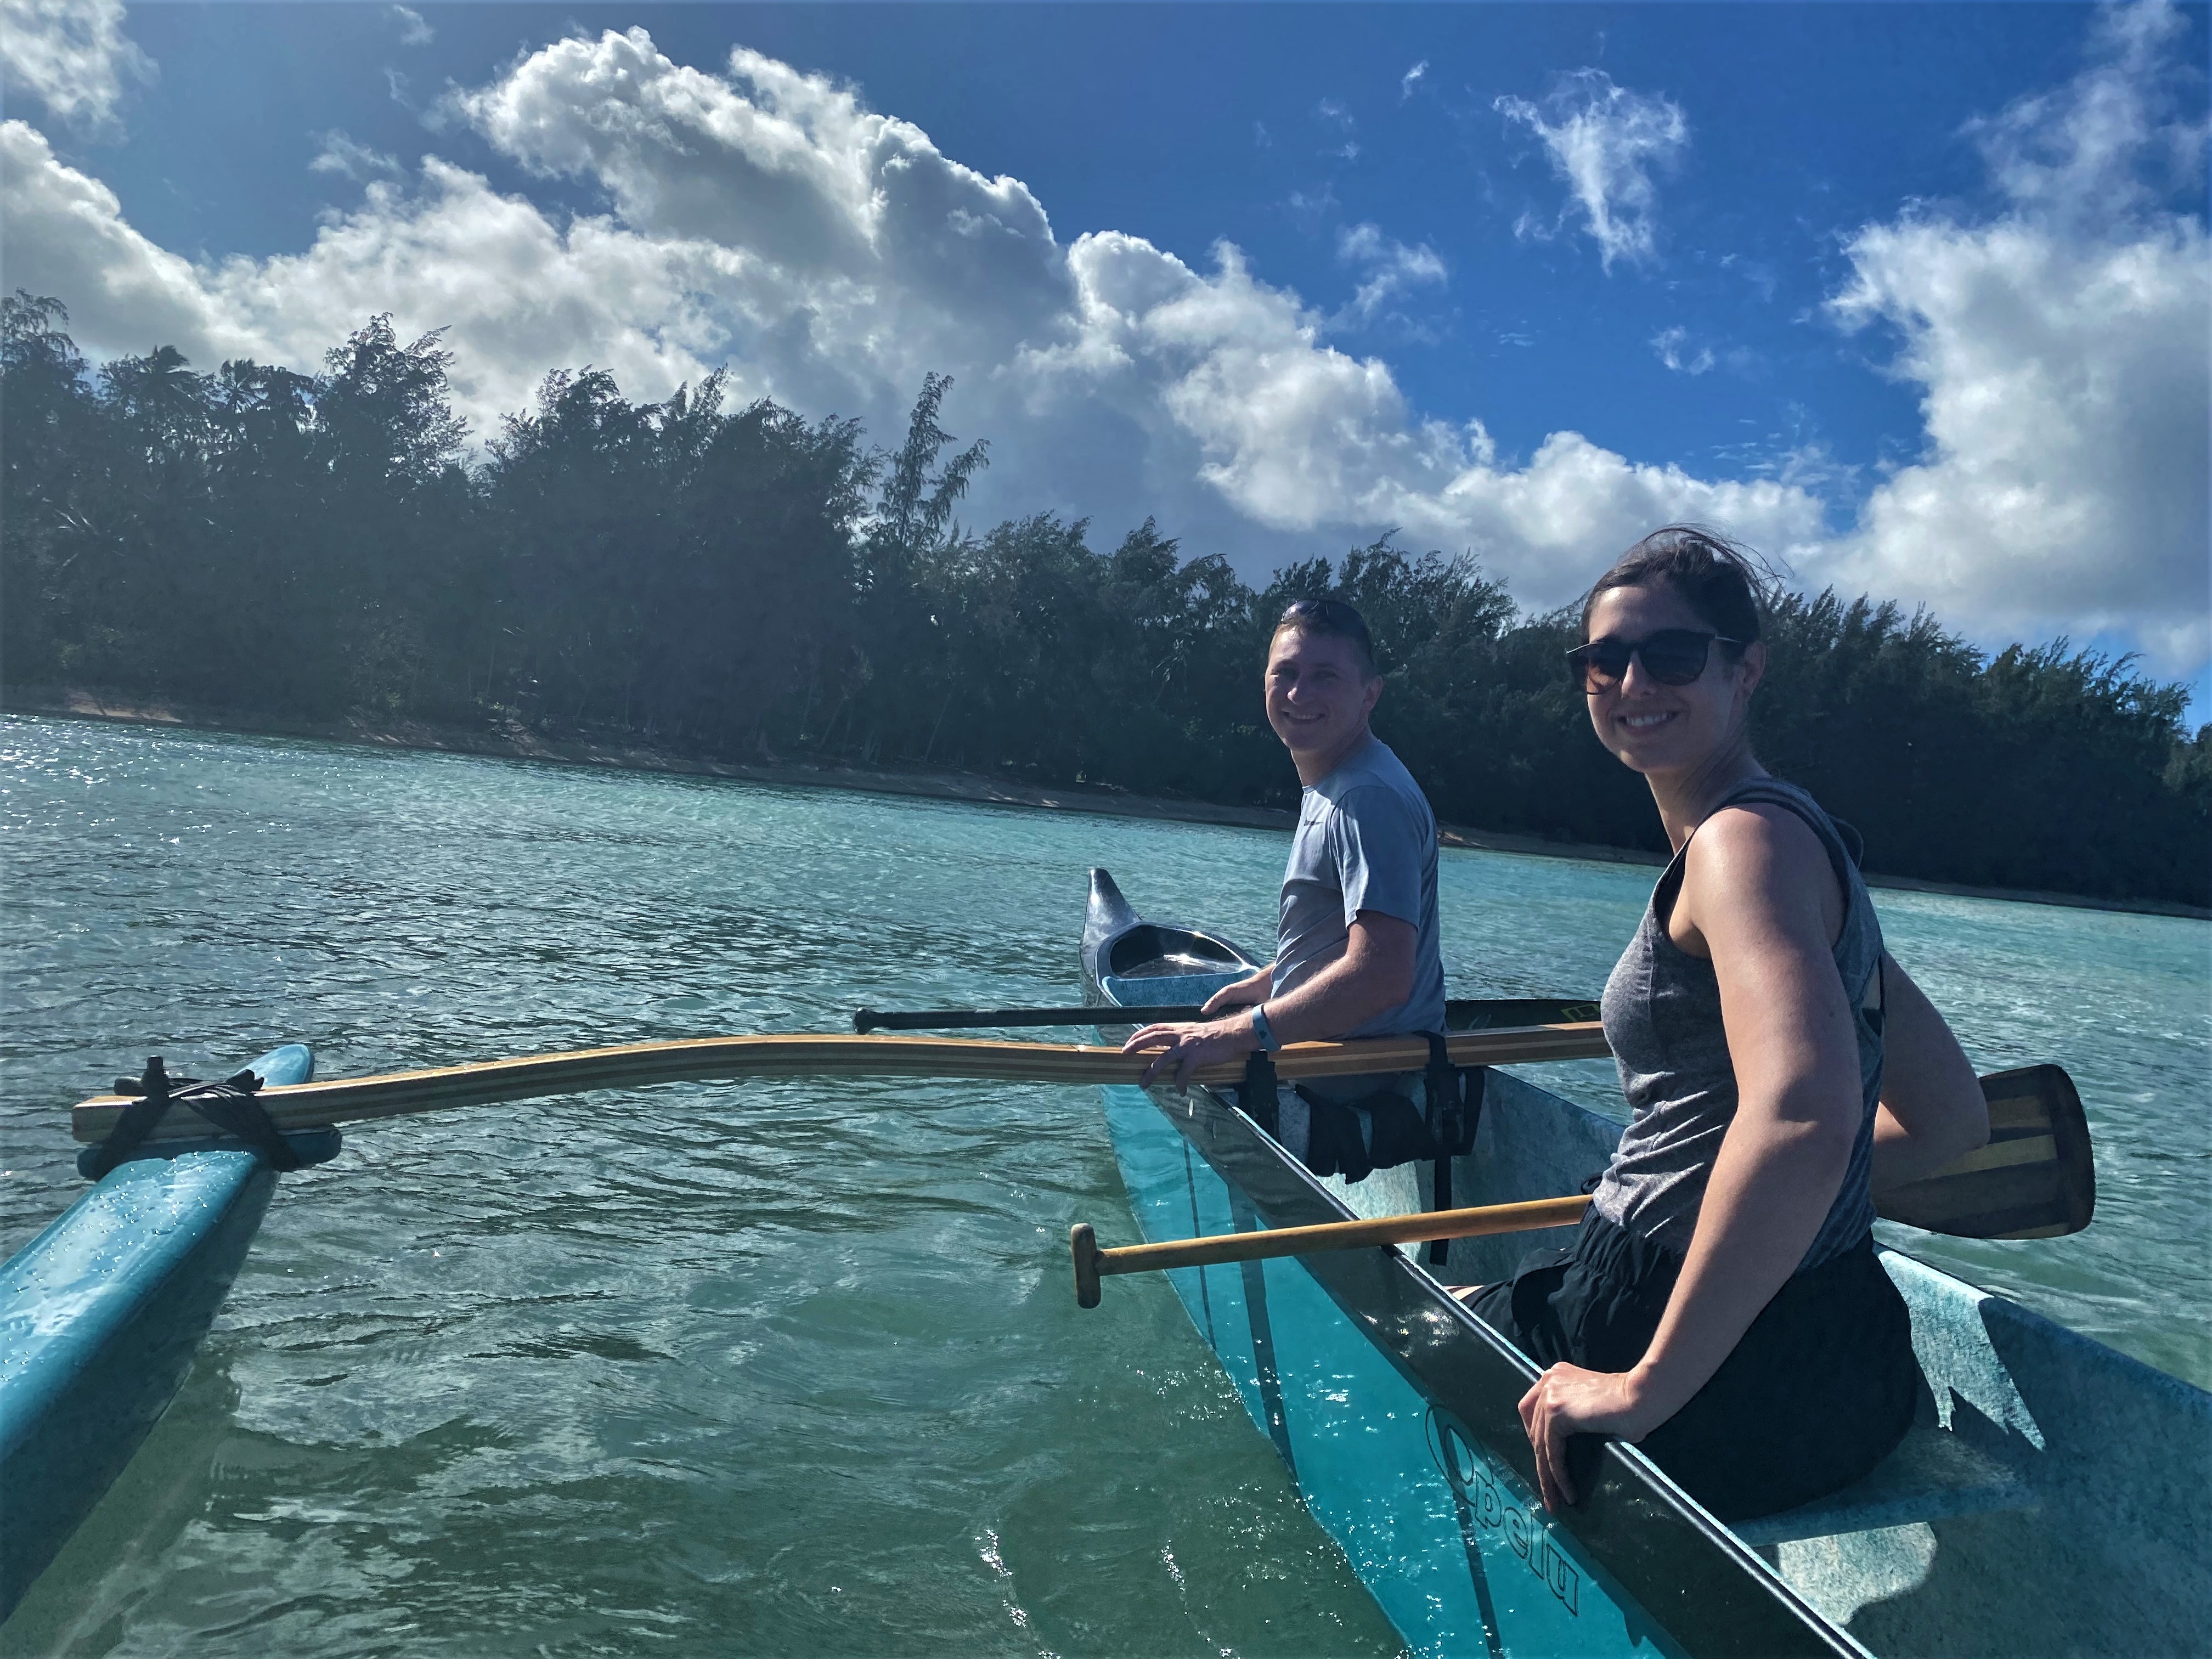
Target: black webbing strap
[1452, 1121]
[229, 1105]
[1256, 1094]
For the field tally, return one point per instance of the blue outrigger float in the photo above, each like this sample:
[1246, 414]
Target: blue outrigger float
[2052, 1498]
[102, 1314]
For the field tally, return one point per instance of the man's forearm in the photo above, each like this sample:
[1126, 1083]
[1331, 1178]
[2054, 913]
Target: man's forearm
[1254, 988]
[1374, 973]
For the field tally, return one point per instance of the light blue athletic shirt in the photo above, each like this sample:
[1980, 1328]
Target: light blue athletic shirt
[1367, 841]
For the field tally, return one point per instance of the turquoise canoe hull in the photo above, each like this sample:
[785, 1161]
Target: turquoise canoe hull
[100, 1315]
[1457, 1553]
[2054, 1499]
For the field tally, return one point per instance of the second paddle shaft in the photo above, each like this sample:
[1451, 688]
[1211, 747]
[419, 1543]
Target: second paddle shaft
[955, 1019]
[1091, 1263]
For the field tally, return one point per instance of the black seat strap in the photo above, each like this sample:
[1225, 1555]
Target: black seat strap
[1256, 1094]
[1452, 1119]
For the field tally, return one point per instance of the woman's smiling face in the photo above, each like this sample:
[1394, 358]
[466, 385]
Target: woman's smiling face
[1655, 728]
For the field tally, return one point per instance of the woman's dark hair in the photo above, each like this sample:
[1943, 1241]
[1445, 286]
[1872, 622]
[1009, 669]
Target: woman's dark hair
[1332, 618]
[1728, 586]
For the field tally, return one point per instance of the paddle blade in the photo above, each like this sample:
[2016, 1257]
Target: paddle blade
[1500, 1014]
[2035, 1178]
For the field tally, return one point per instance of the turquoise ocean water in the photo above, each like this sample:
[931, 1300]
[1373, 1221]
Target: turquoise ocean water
[767, 1367]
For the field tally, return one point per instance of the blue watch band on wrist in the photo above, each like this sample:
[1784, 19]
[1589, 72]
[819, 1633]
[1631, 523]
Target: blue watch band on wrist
[1262, 1031]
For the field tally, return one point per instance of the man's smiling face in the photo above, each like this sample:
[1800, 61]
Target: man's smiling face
[1318, 695]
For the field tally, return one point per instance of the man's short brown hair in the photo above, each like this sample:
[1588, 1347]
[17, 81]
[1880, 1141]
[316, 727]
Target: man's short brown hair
[1334, 619]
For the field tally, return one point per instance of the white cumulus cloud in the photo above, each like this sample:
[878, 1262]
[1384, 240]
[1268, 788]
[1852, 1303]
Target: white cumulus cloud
[760, 218]
[518, 293]
[73, 57]
[2063, 347]
[830, 255]
[1606, 143]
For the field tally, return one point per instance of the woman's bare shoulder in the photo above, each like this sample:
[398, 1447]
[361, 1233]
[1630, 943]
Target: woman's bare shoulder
[1758, 832]
[1763, 858]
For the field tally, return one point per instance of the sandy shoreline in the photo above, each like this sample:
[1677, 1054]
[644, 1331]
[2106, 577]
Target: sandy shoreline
[516, 742]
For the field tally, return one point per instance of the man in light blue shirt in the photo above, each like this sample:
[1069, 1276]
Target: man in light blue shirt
[1357, 951]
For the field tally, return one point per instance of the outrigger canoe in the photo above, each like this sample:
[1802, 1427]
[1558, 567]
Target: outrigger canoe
[102, 1314]
[2051, 1499]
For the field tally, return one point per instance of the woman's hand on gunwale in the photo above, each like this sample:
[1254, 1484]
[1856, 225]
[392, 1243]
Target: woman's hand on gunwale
[1568, 1400]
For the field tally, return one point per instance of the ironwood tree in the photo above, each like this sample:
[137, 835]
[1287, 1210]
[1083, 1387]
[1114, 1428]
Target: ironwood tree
[740, 582]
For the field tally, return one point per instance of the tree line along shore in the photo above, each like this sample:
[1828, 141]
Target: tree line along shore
[741, 586]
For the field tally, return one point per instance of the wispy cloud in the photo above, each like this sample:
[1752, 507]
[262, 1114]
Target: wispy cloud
[340, 155]
[1333, 111]
[1391, 269]
[1672, 344]
[413, 30]
[1411, 79]
[2111, 143]
[1311, 208]
[1606, 142]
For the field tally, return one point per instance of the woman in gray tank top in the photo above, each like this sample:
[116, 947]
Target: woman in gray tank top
[1723, 1304]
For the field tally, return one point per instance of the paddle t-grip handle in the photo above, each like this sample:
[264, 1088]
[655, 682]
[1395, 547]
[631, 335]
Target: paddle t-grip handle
[1083, 1244]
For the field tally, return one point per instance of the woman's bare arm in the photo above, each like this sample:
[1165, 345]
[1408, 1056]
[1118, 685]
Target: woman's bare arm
[1932, 1112]
[1794, 1047]
[1762, 899]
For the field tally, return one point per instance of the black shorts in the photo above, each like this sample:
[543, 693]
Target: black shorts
[1820, 1390]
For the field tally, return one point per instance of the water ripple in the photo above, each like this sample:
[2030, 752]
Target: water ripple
[765, 1366]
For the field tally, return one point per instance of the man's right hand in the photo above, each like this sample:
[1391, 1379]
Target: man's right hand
[1246, 992]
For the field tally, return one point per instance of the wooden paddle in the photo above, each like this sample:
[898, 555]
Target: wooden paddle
[1092, 1262]
[957, 1020]
[633, 1065]
[1467, 1014]
[2035, 1178]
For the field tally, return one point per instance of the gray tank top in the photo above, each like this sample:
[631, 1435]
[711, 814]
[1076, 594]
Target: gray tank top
[1662, 1017]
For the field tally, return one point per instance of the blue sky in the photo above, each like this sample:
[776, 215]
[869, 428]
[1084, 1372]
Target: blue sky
[1913, 297]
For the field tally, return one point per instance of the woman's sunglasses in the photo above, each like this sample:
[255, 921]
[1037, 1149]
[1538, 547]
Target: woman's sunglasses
[1672, 656]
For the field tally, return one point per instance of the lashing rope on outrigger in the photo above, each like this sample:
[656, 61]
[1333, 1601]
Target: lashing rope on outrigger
[228, 1103]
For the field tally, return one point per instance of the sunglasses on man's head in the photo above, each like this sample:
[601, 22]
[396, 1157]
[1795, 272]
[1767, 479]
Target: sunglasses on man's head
[1672, 656]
